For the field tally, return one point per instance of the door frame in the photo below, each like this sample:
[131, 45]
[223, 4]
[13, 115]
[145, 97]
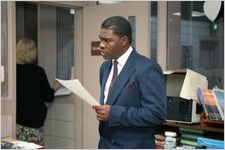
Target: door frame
[8, 103]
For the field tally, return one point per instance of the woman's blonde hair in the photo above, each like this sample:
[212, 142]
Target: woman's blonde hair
[26, 51]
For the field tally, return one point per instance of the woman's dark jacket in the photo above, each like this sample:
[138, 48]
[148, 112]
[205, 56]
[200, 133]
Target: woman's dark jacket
[33, 90]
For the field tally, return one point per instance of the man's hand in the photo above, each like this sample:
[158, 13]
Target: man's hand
[102, 112]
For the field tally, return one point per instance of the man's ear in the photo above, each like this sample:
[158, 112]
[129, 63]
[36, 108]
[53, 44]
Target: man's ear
[124, 40]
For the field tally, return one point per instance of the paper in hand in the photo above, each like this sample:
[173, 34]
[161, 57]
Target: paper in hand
[76, 87]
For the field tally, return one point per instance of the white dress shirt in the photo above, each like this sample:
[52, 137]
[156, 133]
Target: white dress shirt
[121, 62]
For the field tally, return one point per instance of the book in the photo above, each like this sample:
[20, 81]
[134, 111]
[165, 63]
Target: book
[208, 102]
[190, 132]
[190, 137]
[211, 143]
[219, 97]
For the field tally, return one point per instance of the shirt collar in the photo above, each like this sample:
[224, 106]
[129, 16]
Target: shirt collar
[123, 58]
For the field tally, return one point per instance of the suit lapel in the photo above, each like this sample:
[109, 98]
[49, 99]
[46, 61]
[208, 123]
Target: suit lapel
[122, 79]
[104, 80]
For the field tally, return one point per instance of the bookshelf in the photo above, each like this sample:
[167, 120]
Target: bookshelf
[213, 132]
[198, 126]
[187, 134]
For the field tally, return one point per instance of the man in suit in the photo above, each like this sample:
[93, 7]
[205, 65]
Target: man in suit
[132, 94]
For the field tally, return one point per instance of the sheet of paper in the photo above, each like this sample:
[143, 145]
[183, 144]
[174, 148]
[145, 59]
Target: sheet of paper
[26, 145]
[76, 87]
[21, 144]
[62, 92]
[192, 82]
[1, 73]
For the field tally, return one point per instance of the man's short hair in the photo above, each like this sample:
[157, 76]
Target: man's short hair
[119, 25]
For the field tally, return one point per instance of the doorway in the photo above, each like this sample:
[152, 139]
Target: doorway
[52, 29]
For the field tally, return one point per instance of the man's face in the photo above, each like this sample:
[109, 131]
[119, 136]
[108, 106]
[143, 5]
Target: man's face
[111, 45]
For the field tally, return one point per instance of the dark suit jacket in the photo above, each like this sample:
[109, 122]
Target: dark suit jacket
[138, 102]
[33, 90]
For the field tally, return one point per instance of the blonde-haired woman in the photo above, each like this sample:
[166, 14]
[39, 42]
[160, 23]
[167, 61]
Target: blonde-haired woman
[26, 51]
[33, 90]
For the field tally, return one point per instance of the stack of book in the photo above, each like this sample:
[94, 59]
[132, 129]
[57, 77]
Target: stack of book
[212, 102]
[189, 137]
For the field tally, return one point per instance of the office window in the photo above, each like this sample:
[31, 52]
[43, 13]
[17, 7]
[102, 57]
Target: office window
[65, 42]
[153, 23]
[4, 47]
[26, 21]
[186, 59]
[201, 44]
[27, 26]
[132, 20]
[205, 51]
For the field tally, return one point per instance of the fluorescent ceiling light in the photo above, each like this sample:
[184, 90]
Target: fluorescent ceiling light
[108, 1]
[197, 14]
[193, 14]
[176, 13]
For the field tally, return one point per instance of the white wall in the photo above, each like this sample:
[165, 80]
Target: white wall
[93, 17]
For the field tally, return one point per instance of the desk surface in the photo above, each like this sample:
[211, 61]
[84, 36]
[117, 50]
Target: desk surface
[15, 144]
